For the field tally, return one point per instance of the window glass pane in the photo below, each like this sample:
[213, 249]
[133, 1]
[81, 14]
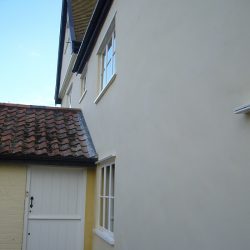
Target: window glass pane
[104, 60]
[102, 182]
[101, 212]
[112, 215]
[113, 181]
[110, 49]
[109, 71]
[113, 61]
[114, 43]
[106, 213]
[107, 180]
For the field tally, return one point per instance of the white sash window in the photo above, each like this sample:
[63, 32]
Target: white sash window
[108, 61]
[106, 200]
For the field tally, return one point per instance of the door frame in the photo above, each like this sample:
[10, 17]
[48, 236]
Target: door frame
[26, 202]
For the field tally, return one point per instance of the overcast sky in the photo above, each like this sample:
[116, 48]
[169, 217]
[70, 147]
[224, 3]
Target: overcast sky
[29, 47]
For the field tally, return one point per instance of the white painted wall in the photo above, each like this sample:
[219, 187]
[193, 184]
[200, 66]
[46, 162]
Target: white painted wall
[182, 177]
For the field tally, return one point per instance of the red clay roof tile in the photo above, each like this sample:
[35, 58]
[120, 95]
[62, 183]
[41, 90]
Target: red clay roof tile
[44, 133]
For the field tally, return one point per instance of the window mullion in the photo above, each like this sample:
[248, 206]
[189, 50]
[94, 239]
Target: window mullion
[113, 43]
[103, 70]
[109, 207]
[112, 60]
[106, 64]
[104, 199]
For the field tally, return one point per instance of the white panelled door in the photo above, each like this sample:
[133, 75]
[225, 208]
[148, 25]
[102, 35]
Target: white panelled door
[55, 209]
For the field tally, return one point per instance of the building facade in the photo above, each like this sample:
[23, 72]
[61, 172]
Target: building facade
[157, 82]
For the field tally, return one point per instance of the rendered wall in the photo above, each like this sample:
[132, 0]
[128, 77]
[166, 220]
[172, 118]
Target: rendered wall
[99, 243]
[12, 195]
[182, 156]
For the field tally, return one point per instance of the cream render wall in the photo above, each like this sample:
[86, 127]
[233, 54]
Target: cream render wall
[74, 82]
[99, 243]
[182, 160]
[12, 196]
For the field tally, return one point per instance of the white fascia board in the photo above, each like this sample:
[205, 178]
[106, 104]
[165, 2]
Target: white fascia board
[242, 109]
[67, 76]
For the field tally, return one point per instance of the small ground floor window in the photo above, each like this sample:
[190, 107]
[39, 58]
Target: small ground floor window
[107, 196]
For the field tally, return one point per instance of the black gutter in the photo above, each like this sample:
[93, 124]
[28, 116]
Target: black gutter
[66, 7]
[96, 22]
[60, 50]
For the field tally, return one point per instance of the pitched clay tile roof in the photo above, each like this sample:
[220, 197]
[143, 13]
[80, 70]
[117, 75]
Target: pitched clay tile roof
[44, 134]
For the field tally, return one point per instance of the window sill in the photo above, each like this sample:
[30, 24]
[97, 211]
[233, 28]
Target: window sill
[105, 89]
[105, 235]
[84, 93]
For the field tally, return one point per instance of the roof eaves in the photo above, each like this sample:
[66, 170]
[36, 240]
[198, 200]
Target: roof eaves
[49, 161]
[71, 22]
[96, 22]
[66, 8]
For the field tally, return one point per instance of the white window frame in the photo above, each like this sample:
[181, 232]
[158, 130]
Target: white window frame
[83, 82]
[68, 95]
[110, 36]
[106, 233]
[105, 62]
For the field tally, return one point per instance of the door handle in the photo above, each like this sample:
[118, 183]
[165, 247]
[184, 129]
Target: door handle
[31, 201]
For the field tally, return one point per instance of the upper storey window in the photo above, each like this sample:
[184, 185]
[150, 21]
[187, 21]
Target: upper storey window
[83, 82]
[68, 96]
[108, 61]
